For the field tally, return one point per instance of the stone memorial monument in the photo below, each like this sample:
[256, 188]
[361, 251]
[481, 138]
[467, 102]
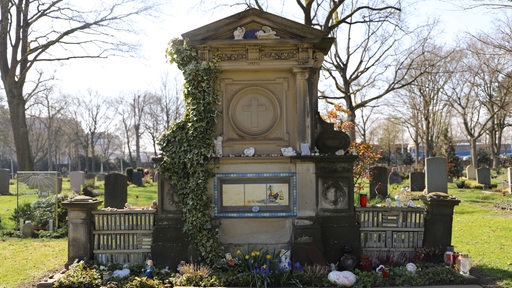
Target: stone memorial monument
[275, 198]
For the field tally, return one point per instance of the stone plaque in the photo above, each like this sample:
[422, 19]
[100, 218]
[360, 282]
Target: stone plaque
[254, 111]
[332, 194]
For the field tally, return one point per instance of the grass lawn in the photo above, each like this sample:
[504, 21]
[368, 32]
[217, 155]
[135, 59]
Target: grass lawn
[478, 229]
[23, 262]
[485, 233]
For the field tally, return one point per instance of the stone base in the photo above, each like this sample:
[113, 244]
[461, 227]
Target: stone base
[170, 245]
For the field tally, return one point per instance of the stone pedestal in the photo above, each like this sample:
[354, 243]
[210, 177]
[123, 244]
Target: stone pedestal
[170, 244]
[438, 222]
[80, 226]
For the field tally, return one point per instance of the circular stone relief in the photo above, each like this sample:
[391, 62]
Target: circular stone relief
[254, 111]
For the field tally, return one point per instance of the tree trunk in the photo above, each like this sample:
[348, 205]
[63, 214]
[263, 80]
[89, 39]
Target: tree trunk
[474, 155]
[351, 117]
[19, 127]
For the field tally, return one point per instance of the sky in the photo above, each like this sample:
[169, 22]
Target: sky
[115, 76]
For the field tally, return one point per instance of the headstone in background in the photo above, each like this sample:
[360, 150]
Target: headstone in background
[59, 184]
[90, 179]
[116, 190]
[416, 181]
[27, 230]
[471, 172]
[394, 176]
[509, 180]
[137, 178]
[101, 176]
[483, 176]
[378, 182]
[4, 181]
[436, 175]
[76, 180]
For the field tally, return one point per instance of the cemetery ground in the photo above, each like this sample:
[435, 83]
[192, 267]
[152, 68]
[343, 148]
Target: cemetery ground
[481, 228]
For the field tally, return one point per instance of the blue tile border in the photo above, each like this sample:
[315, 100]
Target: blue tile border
[291, 213]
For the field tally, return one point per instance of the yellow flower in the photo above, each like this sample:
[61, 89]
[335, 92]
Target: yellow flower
[246, 257]
[269, 257]
[257, 253]
[238, 252]
[265, 266]
[253, 253]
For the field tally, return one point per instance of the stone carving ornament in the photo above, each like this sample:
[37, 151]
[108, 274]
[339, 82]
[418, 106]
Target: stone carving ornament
[238, 34]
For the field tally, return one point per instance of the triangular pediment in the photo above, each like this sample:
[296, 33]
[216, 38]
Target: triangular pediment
[253, 21]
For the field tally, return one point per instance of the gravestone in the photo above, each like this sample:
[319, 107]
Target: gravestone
[378, 182]
[137, 178]
[471, 172]
[101, 176]
[90, 179]
[436, 174]
[268, 84]
[416, 181]
[483, 176]
[76, 180]
[394, 177]
[4, 181]
[116, 190]
[509, 170]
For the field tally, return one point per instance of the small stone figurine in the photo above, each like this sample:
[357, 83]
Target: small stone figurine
[149, 270]
[218, 146]
[238, 34]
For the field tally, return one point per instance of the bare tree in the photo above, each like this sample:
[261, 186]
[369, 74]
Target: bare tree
[466, 98]
[423, 106]
[390, 135]
[49, 111]
[35, 31]
[108, 145]
[126, 123]
[166, 104]
[91, 111]
[138, 109]
[132, 111]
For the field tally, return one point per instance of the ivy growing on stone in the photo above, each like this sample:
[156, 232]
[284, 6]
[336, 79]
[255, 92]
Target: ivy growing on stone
[188, 149]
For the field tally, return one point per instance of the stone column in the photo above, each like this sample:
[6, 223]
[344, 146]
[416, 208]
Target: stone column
[304, 105]
[438, 222]
[80, 227]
